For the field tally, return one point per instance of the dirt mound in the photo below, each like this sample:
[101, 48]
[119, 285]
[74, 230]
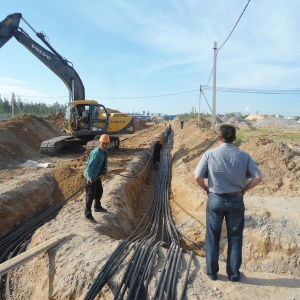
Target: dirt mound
[20, 138]
[139, 124]
[57, 120]
[279, 164]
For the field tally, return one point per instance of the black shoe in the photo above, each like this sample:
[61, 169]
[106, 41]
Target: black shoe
[213, 277]
[91, 219]
[234, 278]
[100, 209]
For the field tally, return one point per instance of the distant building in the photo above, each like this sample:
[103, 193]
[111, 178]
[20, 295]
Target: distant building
[169, 117]
[144, 117]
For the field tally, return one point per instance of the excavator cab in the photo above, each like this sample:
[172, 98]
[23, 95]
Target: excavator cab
[85, 118]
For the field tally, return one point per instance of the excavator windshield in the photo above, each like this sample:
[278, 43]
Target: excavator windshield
[96, 118]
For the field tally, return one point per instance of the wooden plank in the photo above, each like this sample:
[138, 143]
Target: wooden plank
[22, 258]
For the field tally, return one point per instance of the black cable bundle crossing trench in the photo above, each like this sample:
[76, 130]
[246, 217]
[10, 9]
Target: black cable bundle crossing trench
[142, 248]
[16, 240]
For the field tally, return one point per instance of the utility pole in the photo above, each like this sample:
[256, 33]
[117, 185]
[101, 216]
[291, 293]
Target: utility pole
[214, 88]
[12, 107]
[199, 103]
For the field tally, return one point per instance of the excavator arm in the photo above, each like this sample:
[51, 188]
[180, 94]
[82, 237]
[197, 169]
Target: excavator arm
[99, 120]
[9, 28]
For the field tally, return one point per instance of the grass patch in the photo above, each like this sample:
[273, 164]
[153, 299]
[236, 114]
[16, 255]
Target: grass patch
[240, 140]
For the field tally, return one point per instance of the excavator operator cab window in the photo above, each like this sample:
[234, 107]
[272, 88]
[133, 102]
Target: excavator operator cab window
[69, 112]
[96, 112]
[83, 120]
[98, 117]
[85, 112]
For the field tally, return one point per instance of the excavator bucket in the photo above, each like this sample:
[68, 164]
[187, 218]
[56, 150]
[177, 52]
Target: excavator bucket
[7, 26]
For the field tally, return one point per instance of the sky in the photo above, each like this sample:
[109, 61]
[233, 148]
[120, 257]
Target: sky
[153, 56]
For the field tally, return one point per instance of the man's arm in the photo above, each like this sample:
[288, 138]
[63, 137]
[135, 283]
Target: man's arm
[252, 183]
[201, 183]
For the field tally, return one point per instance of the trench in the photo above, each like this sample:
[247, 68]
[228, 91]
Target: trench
[133, 206]
[139, 190]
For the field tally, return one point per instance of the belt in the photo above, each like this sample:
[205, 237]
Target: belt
[239, 193]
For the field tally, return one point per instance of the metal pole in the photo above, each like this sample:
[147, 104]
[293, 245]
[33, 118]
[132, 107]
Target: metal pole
[214, 87]
[199, 103]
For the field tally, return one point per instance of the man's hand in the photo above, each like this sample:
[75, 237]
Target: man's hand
[89, 181]
[206, 190]
[202, 184]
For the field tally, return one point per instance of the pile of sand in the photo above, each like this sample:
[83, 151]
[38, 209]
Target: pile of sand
[276, 121]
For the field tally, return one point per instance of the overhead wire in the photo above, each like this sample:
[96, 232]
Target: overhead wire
[255, 91]
[227, 40]
[233, 27]
[206, 87]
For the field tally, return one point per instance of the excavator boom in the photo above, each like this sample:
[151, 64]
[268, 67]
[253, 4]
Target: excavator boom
[9, 27]
[98, 120]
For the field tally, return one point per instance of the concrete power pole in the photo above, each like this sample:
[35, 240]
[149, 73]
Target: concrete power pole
[214, 88]
[199, 103]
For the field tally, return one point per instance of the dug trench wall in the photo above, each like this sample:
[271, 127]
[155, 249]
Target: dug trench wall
[271, 236]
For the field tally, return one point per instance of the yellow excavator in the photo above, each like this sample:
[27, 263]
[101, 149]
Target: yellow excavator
[84, 120]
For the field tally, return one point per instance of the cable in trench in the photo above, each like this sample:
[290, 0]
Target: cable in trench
[144, 246]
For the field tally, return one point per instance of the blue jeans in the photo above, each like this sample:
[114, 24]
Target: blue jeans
[232, 209]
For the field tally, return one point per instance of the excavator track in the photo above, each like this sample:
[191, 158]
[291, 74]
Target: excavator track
[53, 146]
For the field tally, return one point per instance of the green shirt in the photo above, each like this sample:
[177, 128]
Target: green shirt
[96, 164]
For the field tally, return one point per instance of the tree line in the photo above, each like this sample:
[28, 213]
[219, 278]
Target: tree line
[20, 107]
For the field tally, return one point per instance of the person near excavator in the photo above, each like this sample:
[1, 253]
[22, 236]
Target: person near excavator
[95, 167]
[156, 153]
[83, 117]
[231, 173]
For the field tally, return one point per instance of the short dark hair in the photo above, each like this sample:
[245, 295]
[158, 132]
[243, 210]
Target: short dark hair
[227, 132]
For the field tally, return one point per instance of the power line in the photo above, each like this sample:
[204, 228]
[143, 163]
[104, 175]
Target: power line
[234, 27]
[255, 91]
[227, 40]
[208, 88]
[145, 97]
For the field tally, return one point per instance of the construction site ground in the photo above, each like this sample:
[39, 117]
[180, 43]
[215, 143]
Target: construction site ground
[29, 181]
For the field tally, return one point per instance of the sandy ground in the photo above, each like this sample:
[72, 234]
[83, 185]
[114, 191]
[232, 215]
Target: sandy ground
[271, 259]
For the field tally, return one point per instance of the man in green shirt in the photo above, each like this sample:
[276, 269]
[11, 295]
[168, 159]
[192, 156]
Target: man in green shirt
[95, 167]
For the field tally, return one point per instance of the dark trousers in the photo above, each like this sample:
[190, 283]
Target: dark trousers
[156, 158]
[93, 191]
[230, 208]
